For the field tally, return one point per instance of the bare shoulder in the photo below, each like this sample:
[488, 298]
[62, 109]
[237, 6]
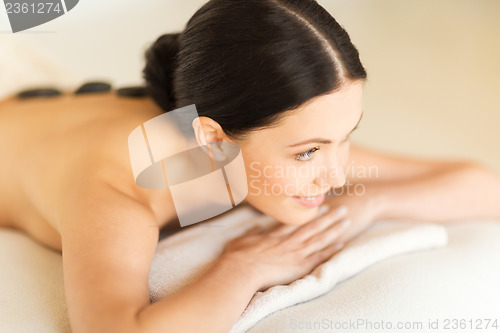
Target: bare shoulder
[92, 204]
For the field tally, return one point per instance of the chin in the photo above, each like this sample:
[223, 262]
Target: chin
[284, 210]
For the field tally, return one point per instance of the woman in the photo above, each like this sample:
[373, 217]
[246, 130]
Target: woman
[282, 80]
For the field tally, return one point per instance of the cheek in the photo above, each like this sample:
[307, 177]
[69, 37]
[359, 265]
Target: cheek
[270, 181]
[270, 188]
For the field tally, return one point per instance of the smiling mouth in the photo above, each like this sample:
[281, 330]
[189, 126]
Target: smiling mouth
[310, 201]
[308, 198]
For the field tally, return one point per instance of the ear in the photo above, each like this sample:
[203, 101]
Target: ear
[208, 130]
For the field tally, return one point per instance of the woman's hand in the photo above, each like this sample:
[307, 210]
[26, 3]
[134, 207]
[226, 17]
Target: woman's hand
[286, 253]
[363, 207]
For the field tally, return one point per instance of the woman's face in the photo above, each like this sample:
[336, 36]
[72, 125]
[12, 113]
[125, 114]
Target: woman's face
[290, 167]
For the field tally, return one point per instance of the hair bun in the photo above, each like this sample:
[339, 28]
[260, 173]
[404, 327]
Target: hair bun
[159, 70]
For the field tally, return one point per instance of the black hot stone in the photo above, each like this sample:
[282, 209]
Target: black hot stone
[41, 92]
[93, 87]
[134, 92]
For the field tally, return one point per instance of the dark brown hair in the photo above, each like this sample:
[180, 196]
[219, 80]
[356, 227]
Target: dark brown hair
[244, 63]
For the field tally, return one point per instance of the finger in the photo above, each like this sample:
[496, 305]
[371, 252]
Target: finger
[319, 224]
[284, 229]
[326, 238]
[326, 253]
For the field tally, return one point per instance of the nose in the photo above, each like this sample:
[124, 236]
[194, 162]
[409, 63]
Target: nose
[330, 176]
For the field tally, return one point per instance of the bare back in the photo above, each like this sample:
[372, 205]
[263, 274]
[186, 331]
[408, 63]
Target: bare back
[47, 142]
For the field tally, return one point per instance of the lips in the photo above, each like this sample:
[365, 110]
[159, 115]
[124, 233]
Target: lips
[310, 201]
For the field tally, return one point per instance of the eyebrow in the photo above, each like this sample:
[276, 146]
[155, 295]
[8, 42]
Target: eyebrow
[321, 140]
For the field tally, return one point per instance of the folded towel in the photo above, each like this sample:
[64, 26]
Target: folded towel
[183, 257]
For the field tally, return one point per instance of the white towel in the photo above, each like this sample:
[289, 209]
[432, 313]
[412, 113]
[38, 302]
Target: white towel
[183, 257]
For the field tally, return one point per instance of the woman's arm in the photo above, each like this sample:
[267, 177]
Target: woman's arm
[368, 165]
[383, 187]
[426, 190]
[109, 241]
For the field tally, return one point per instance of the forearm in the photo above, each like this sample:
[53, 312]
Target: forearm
[211, 304]
[463, 192]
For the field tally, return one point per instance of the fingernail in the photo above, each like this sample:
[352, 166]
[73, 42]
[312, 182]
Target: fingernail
[342, 210]
[323, 209]
[345, 223]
